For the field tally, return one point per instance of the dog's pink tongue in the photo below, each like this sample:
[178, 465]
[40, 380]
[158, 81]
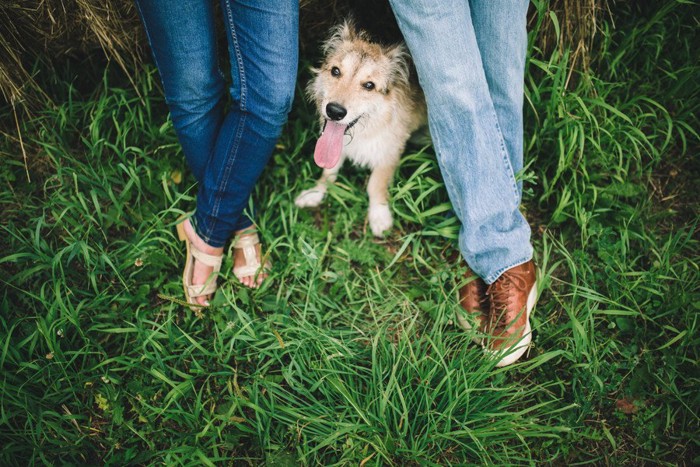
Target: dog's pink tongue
[330, 145]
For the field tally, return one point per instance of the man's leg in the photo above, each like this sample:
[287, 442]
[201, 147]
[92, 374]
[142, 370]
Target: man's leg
[470, 146]
[502, 37]
[474, 99]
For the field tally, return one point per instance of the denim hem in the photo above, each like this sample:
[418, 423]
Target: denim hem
[206, 238]
[490, 279]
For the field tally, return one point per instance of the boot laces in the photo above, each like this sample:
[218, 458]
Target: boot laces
[502, 292]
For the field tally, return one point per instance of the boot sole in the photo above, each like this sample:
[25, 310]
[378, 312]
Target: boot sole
[519, 348]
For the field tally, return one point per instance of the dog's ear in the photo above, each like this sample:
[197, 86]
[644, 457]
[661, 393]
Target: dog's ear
[400, 68]
[343, 32]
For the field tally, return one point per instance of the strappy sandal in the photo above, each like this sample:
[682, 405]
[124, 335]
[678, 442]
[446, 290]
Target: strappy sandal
[192, 291]
[252, 267]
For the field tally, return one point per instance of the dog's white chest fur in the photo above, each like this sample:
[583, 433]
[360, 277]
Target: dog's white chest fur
[375, 146]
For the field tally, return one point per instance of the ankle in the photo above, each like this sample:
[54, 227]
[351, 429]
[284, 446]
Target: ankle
[200, 244]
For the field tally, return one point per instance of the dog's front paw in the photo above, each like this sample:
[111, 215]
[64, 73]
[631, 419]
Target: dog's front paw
[380, 219]
[311, 198]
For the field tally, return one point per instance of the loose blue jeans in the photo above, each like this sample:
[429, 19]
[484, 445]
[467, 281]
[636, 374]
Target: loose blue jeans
[226, 145]
[470, 59]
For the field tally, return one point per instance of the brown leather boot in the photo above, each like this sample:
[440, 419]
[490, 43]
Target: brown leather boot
[511, 300]
[474, 302]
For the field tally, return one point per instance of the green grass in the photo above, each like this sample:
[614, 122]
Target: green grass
[349, 353]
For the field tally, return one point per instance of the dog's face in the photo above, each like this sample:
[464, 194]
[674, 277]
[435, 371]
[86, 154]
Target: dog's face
[356, 78]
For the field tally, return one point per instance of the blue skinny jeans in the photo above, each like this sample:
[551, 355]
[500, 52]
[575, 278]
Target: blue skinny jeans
[226, 145]
[470, 59]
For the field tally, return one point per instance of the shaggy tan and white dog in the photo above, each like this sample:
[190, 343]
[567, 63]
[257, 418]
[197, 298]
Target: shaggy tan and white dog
[368, 108]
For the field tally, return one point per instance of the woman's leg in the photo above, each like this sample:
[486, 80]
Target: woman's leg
[182, 39]
[181, 35]
[263, 50]
[225, 152]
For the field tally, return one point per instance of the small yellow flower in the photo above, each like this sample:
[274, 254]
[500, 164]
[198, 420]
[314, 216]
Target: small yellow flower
[176, 177]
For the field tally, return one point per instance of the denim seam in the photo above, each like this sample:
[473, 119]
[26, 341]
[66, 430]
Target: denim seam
[447, 175]
[498, 273]
[210, 226]
[234, 141]
[506, 160]
[239, 56]
[234, 145]
[202, 235]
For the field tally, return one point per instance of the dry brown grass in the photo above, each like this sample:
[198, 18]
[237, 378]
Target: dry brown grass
[578, 22]
[39, 37]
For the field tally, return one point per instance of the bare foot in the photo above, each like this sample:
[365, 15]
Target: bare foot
[201, 272]
[253, 281]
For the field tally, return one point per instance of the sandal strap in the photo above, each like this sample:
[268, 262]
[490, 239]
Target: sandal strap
[192, 291]
[252, 264]
[251, 269]
[206, 259]
[199, 290]
[245, 241]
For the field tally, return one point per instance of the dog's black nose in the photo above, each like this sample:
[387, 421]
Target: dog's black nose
[336, 111]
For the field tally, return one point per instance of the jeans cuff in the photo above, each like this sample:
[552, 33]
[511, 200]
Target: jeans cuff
[199, 227]
[491, 278]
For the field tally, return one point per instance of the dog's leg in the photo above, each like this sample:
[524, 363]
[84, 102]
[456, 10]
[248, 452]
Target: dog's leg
[380, 219]
[313, 197]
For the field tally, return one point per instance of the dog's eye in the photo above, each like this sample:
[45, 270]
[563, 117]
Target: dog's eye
[368, 85]
[335, 71]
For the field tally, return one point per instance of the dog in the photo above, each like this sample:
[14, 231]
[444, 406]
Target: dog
[368, 105]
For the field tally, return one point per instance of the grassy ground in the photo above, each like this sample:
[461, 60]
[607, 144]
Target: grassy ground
[349, 353]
